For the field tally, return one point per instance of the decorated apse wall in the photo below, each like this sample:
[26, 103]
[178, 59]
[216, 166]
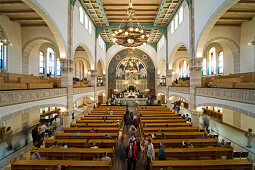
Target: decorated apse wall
[135, 53]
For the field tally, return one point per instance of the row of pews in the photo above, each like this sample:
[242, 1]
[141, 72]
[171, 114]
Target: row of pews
[205, 153]
[11, 81]
[239, 80]
[76, 156]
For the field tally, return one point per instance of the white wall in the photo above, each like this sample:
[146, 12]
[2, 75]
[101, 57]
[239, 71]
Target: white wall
[247, 52]
[161, 53]
[82, 37]
[13, 33]
[181, 35]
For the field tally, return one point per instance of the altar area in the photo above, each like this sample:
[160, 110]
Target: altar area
[130, 94]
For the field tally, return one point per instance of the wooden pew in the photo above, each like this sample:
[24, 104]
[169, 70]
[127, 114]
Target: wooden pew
[189, 124]
[96, 121]
[155, 112]
[165, 121]
[179, 135]
[103, 113]
[158, 115]
[100, 118]
[87, 129]
[62, 135]
[234, 164]
[170, 116]
[72, 153]
[198, 153]
[51, 164]
[93, 125]
[171, 129]
[213, 142]
[79, 143]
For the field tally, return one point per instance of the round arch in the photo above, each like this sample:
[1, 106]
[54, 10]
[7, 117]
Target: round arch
[100, 68]
[174, 51]
[232, 45]
[29, 46]
[138, 54]
[200, 44]
[88, 53]
[51, 24]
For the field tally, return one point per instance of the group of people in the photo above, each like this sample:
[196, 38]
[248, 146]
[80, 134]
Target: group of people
[135, 151]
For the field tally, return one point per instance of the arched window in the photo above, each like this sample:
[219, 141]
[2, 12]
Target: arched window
[3, 55]
[81, 15]
[176, 22]
[172, 27]
[212, 62]
[42, 63]
[58, 67]
[90, 27]
[86, 22]
[50, 61]
[184, 69]
[180, 15]
[220, 65]
[204, 67]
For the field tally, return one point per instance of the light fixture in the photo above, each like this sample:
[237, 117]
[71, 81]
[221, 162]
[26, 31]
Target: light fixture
[130, 35]
[251, 43]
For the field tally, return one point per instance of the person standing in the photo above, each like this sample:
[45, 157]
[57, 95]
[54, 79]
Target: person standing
[135, 155]
[8, 137]
[129, 155]
[248, 134]
[25, 132]
[149, 154]
[161, 153]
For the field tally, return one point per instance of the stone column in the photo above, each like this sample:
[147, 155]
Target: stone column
[67, 70]
[195, 69]
[93, 78]
[169, 77]
[104, 79]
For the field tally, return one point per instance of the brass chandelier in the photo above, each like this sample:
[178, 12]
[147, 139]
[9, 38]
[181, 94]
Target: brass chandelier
[129, 35]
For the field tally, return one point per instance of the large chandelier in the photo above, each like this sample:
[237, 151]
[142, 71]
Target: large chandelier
[129, 35]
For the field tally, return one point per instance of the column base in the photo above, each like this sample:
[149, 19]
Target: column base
[67, 119]
[195, 116]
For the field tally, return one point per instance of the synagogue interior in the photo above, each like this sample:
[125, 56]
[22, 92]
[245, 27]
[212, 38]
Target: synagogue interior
[127, 84]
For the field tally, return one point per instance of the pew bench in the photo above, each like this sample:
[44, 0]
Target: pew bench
[78, 135]
[72, 153]
[197, 153]
[93, 125]
[172, 116]
[100, 118]
[241, 164]
[87, 129]
[188, 124]
[179, 135]
[79, 143]
[210, 142]
[97, 121]
[170, 129]
[165, 121]
[52, 164]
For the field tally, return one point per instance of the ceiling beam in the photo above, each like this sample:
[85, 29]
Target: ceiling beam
[126, 5]
[241, 12]
[102, 11]
[136, 15]
[162, 4]
[149, 10]
[228, 25]
[246, 2]
[225, 19]
[16, 12]
[10, 2]
[34, 25]
[26, 19]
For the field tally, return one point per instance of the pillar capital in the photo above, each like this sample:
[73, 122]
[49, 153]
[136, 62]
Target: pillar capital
[66, 64]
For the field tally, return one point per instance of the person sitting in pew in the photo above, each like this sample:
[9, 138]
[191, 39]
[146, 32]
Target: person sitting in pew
[55, 144]
[188, 118]
[97, 131]
[94, 146]
[222, 143]
[86, 125]
[87, 145]
[35, 155]
[60, 167]
[184, 145]
[92, 131]
[64, 145]
[102, 145]
[162, 136]
[189, 145]
[111, 112]
[96, 157]
[107, 136]
[105, 157]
